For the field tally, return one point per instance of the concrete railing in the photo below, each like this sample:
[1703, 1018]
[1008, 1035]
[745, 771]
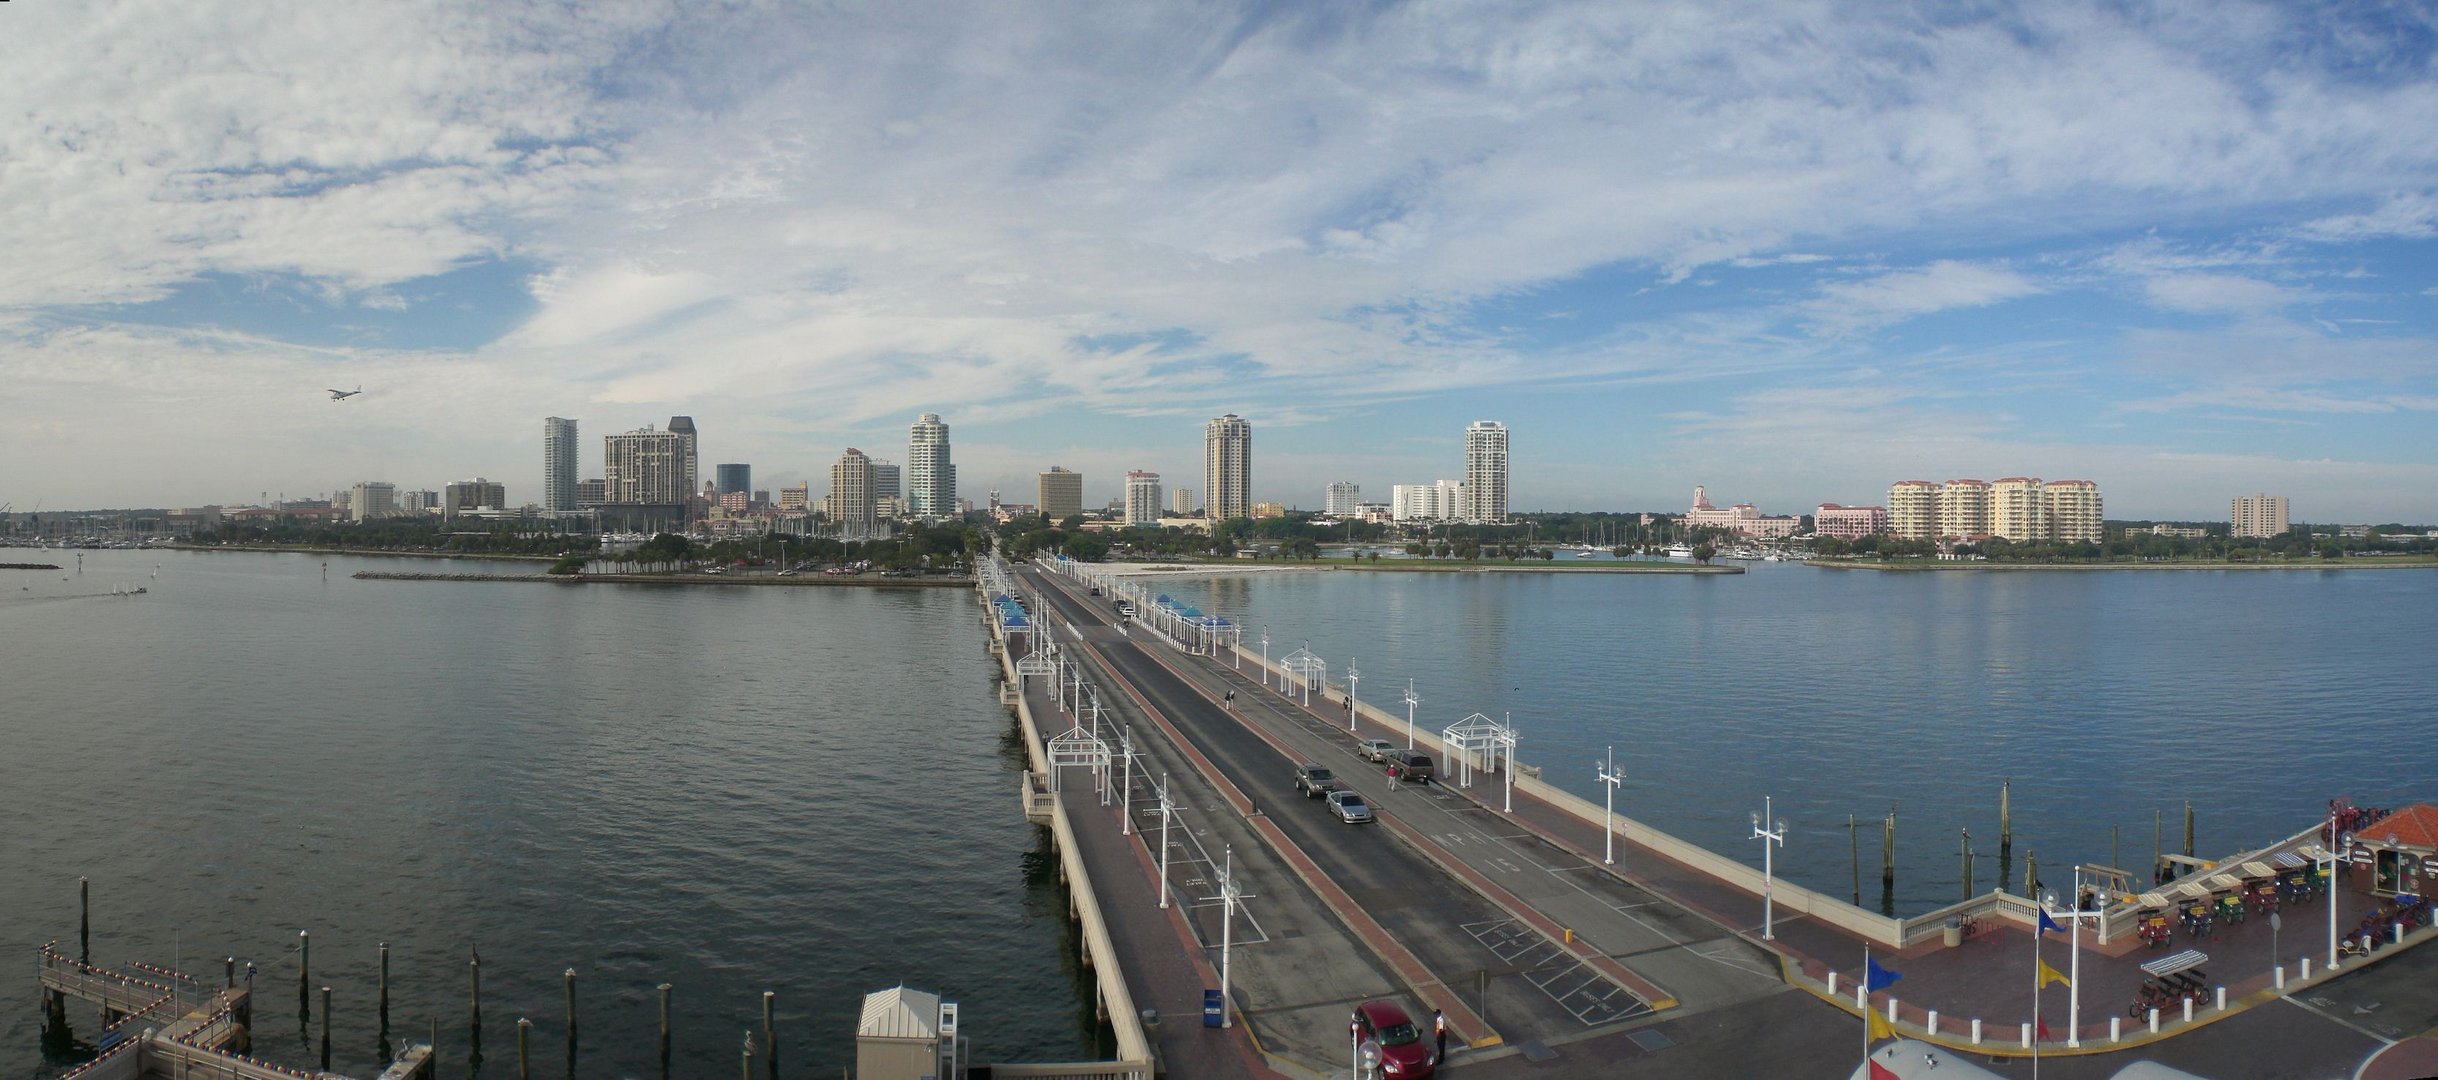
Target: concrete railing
[1133, 1043]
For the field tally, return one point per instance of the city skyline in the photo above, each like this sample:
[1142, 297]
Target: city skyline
[2183, 253]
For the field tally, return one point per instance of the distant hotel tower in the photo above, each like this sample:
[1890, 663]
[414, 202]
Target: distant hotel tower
[851, 503]
[1142, 498]
[1227, 468]
[1181, 502]
[558, 465]
[1061, 493]
[931, 478]
[1485, 472]
[733, 478]
[2257, 515]
[647, 466]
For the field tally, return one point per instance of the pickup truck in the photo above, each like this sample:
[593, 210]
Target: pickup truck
[1314, 781]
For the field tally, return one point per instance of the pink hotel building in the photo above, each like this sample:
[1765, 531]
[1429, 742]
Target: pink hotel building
[1849, 522]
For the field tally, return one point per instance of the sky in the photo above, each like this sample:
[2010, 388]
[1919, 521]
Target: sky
[1793, 252]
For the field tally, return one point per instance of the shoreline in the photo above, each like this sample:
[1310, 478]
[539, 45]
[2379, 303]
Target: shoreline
[369, 552]
[812, 581]
[1967, 567]
[1408, 567]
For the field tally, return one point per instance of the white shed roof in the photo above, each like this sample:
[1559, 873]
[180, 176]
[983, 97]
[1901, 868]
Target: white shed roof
[900, 1013]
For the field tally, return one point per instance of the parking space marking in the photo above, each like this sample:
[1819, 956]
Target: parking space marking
[1575, 986]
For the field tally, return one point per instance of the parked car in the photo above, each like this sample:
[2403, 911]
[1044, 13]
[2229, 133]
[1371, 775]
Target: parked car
[1314, 781]
[1350, 807]
[1373, 749]
[1406, 1051]
[1125, 608]
[1414, 764]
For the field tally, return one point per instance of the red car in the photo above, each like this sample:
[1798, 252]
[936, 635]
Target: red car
[1406, 1051]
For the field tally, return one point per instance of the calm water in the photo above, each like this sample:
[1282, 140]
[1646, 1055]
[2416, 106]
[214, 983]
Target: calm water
[2104, 696]
[732, 790]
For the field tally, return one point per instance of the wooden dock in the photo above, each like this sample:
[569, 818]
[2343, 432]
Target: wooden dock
[161, 1024]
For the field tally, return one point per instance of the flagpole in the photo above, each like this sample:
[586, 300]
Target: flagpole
[1866, 1007]
[2037, 934]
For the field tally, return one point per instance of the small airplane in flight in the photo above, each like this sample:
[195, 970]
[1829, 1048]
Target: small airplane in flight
[342, 395]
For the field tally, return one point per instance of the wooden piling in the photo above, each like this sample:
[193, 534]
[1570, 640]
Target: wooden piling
[1887, 862]
[524, 1059]
[84, 921]
[770, 1031]
[1964, 845]
[304, 964]
[1853, 842]
[2158, 857]
[2006, 832]
[2188, 828]
[2031, 875]
[664, 1026]
[474, 995]
[325, 1029]
[232, 971]
[571, 1016]
[385, 986]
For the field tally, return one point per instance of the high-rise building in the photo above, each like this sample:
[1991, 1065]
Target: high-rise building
[558, 464]
[795, 498]
[1062, 493]
[851, 505]
[1341, 498]
[475, 494]
[648, 466]
[2074, 510]
[591, 493]
[1913, 510]
[373, 499]
[1142, 498]
[888, 482]
[1964, 508]
[2258, 515]
[1227, 467]
[1485, 471]
[2023, 509]
[1181, 502]
[931, 476]
[2019, 509]
[733, 479]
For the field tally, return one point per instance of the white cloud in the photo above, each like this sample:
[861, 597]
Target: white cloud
[1945, 285]
[2413, 217]
[2218, 293]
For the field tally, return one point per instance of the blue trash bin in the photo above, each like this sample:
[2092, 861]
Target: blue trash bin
[1214, 1009]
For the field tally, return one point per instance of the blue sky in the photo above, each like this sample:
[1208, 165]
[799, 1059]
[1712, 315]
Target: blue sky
[1792, 253]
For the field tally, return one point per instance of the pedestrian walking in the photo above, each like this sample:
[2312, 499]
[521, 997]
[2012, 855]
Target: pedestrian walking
[1393, 776]
[1439, 1028]
[1231, 700]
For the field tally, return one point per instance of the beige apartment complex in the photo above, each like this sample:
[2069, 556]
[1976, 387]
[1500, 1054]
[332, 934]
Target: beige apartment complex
[851, 503]
[1227, 467]
[2019, 508]
[2258, 515]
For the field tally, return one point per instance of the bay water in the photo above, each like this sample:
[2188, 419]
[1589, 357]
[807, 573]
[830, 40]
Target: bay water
[2108, 698]
[803, 790]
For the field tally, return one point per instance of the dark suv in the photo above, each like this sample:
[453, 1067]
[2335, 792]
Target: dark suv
[1313, 781]
[1413, 766]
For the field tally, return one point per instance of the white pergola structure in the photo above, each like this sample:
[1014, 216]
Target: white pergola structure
[1305, 670]
[1038, 662]
[1473, 744]
[1079, 747]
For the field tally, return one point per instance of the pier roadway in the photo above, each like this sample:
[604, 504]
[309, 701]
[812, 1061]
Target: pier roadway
[1505, 927]
[1296, 970]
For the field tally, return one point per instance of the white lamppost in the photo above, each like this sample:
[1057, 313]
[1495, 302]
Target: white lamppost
[1230, 895]
[1265, 658]
[2331, 871]
[1166, 810]
[1611, 776]
[1410, 702]
[1775, 838]
[1353, 678]
[1508, 737]
[1126, 810]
